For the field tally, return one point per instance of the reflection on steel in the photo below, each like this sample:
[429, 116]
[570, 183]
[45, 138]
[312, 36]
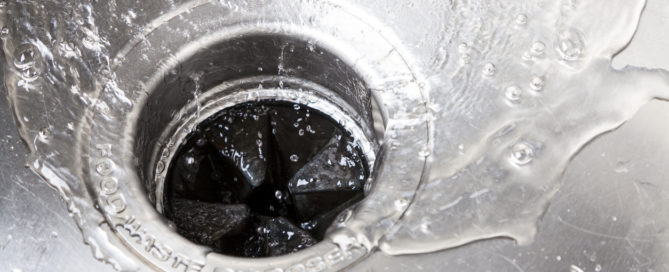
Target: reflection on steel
[102, 97]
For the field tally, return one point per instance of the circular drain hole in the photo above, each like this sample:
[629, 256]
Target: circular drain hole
[263, 179]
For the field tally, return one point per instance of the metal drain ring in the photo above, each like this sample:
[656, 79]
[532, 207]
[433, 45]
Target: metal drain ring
[112, 165]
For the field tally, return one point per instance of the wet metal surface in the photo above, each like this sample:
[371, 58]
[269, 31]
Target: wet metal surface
[590, 224]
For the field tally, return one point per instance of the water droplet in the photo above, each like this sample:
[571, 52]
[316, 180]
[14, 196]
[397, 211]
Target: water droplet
[70, 125]
[425, 227]
[296, 106]
[300, 132]
[465, 59]
[521, 19]
[4, 32]
[614, 218]
[522, 153]
[513, 93]
[538, 49]
[559, 258]
[25, 56]
[201, 142]
[537, 83]
[401, 203]
[260, 70]
[160, 167]
[463, 48]
[311, 47]
[598, 267]
[489, 69]
[294, 158]
[53, 234]
[574, 268]
[44, 134]
[344, 216]
[278, 194]
[424, 152]
[190, 161]
[569, 44]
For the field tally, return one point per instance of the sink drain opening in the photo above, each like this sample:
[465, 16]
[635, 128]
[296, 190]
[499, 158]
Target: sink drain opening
[253, 145]
[263, 179]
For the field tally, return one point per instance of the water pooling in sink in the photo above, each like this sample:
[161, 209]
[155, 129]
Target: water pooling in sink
[515, 90]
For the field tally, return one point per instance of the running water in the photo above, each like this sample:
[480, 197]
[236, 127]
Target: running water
[516, 90]
[529, 92]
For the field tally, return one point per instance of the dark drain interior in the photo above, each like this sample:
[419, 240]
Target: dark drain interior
[263, 179]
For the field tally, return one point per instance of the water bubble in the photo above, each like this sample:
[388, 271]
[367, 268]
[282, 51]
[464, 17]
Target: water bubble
[44, 134]
[278, 194]
[513, 93]
[558, 257]
[489, 69]
[598, 267]
[300, 132]
[522, 153]
[521, 19]
[296, 106]
[569, 44]
[294, 158]
[537, 83]
[25, 56]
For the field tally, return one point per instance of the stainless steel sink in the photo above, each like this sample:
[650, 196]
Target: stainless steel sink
[103, 130]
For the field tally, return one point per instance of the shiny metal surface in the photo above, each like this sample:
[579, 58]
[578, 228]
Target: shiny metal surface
[590, 225]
